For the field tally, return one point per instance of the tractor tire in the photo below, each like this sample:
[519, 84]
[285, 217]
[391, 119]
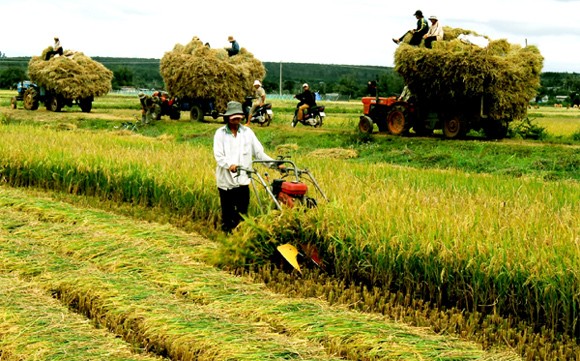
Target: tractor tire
[13, 103]
[397, 121]
[453, 127]
[86, 105]
[365, 125]
[53, 103]
[31, 100]
[196, 113]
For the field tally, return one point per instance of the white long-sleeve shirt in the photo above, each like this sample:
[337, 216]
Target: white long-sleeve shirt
[435, 30]
[239, 150]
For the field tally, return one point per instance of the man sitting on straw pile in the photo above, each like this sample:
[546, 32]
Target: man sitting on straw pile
[235, 48]
[435, 32]
[57, 49]
[422, 28]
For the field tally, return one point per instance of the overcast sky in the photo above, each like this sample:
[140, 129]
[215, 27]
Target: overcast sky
[350, 32]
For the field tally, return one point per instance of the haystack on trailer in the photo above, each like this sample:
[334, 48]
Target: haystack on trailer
[467, 86]
[64, 80]
[205, 79]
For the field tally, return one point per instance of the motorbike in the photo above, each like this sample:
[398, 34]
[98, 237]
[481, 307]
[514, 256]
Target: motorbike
[313, 116]
[262, 115]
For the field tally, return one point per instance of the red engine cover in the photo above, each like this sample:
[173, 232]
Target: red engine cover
[294, 188]
[367, 101]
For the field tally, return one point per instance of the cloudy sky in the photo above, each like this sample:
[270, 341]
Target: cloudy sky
[349, 32]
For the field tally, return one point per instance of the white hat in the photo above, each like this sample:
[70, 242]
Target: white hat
[257, 82]
[305, 85]
[433, 17]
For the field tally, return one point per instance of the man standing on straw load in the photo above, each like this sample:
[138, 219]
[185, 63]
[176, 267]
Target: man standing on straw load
[259, 99]
[435, 32]
[422, 28]
[235, 145]
[235, 48]
[56, 49]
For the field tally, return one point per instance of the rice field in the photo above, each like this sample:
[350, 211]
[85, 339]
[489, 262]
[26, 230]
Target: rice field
[486, 257]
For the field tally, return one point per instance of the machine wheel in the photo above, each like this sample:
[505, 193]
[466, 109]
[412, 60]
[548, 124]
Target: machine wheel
[397, 121]
[86, 105]
[31, 99]
[453, 127]
[318, 121]
[13, 103]
[365, 125]
[53, 104]
[196, 114]
[267, 121]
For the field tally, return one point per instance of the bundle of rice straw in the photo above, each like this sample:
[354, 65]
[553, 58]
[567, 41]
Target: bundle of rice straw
[197, 71]
[456, 72]
[73, 75]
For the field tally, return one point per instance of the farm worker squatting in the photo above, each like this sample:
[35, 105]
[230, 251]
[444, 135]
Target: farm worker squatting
[235, 145]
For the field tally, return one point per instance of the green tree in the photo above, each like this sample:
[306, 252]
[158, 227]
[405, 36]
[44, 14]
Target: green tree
[122, 76]
[10, 76]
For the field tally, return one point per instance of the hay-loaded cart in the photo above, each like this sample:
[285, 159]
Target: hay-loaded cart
[205, 79]
[457, 87]
[72, 78]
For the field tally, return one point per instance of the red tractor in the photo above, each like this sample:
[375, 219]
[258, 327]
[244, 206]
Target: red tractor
[389, 114]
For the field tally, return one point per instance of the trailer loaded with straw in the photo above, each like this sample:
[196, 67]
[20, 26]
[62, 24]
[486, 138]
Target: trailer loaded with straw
[65, 80]
[457, 86]
[205, 79]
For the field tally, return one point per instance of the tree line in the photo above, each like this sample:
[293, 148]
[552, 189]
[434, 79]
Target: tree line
[287, 78]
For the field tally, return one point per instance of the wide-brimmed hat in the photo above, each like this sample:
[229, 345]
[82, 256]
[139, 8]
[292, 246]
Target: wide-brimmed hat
[230, 38]
[257, 82]
[305, 85]
[418, 13]
[433, 17]
[234, 108]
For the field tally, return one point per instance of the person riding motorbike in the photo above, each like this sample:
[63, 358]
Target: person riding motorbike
[307, 100]
[259, 99]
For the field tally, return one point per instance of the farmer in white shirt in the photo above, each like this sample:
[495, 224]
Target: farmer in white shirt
[435, 32]
[235, 145]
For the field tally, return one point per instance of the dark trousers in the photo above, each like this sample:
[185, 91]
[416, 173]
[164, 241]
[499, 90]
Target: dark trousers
[53, 52]
[429, 41]
[416, 39]
[234, 203]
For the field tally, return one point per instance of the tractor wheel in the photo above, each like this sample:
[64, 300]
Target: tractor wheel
[31, 99]
[453, 127]
[365, 125]
[397, 121]
[86, 105]
[196, 114]
[53, 104]
[13, 103]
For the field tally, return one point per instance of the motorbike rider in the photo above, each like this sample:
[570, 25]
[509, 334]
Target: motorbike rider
[306, 99]
[259, 99]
